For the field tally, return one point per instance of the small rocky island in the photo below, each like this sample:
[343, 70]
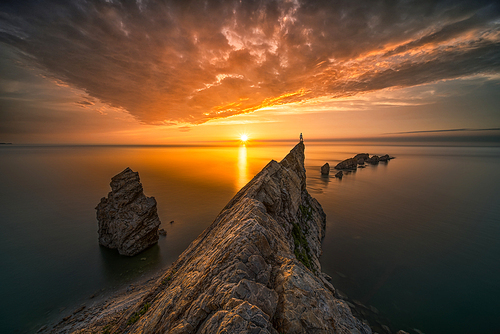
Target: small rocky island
[325, 169]
[127, 219]
[360, 159]
[255, 269]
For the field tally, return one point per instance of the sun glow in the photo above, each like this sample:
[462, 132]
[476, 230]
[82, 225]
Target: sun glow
[244, 138]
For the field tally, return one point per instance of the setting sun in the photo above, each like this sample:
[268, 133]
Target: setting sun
[244, 138]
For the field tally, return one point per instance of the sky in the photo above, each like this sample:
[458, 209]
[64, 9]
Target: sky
[162, 72]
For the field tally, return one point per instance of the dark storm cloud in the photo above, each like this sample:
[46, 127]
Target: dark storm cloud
[476, 58]
[192, 61]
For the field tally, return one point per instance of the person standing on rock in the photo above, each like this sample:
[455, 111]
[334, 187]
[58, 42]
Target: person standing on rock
[301, 138]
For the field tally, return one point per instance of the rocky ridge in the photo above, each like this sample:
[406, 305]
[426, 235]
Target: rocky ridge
[255, 269]
[127, 219]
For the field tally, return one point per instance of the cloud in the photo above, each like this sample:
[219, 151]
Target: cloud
[85, 102]
[445, 130]
[188, 62]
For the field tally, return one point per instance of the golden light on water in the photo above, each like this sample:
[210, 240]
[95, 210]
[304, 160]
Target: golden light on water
[242, 178]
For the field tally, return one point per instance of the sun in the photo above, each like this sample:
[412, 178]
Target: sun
[244, 138]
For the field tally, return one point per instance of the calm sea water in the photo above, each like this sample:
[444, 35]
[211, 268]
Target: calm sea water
[418, 237]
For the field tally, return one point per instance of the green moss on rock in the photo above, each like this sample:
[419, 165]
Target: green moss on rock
[306, 212]
[301, 249]
[133, 319]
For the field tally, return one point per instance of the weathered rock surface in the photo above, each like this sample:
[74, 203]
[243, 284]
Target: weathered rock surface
[255, 269]
[373, 160]
[127, 219]
[339, 174]
[385, 157]
[361, 159]
[325, 169]
[350, 163]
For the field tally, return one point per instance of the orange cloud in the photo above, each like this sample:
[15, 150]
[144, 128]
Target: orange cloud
[189, 62]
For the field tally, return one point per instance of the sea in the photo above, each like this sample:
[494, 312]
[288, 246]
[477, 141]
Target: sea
[417, 238]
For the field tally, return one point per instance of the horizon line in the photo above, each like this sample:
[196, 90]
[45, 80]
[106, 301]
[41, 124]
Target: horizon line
[491, 138]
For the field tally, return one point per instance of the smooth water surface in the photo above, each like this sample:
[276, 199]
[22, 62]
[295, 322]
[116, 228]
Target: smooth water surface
[416, 237]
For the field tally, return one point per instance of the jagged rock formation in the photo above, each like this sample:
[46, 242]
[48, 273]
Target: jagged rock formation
[325, 169]
[127, 219]
[385, 157]
[255, 269]
[360, 159]
[350, 163]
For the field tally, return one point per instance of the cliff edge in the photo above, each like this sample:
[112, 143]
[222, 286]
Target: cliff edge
[255, 269]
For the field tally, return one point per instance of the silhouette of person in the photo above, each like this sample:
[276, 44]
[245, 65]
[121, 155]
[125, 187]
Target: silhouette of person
[301, 138]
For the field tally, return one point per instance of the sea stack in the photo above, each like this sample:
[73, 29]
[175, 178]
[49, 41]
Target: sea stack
[255, 269]
[325, 169]
[127, 219]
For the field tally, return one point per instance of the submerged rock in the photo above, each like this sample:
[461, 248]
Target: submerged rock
[339, 294]
[127, 219]
[325, 169]
[339, 174]
[255, 269]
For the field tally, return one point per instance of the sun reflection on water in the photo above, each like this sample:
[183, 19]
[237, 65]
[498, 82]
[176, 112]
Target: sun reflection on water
[242, 178]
